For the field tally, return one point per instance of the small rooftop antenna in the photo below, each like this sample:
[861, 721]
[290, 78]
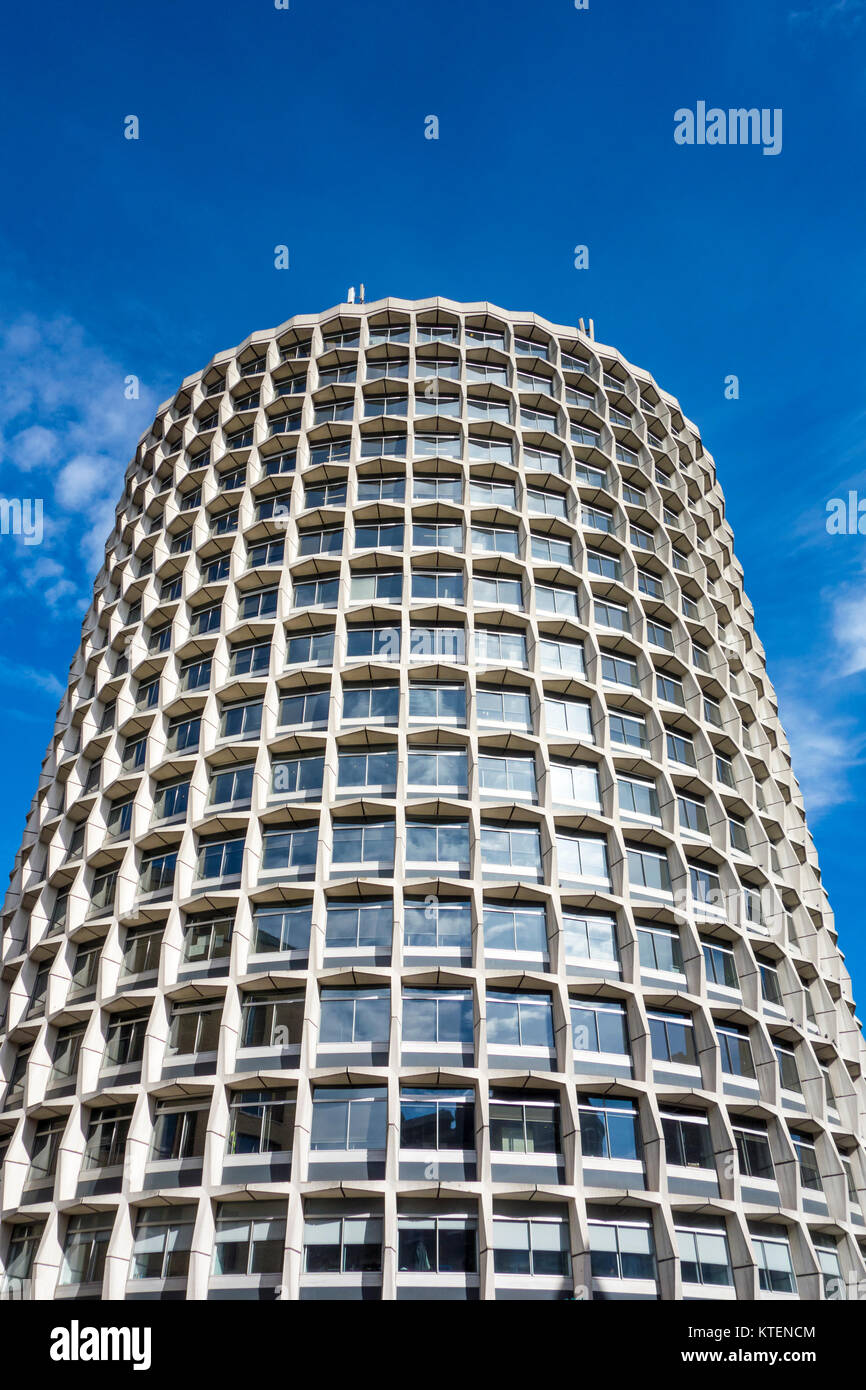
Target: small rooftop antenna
[350, 297]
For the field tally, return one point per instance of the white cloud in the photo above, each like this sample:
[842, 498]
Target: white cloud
[32, 447]
[92, 544]
[824, 750]
[13, 673]
[849, 628]
[824, 13]
[82, 479]
[67, 432]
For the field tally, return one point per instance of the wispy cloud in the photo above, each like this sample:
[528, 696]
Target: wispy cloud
[66, 433]
[12, 673]
[848, 618]
[847, 13]
[824, 750]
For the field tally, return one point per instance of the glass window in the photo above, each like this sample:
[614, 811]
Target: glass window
[753, 1150]
[355, 1016]
[647, 869]
[342, 1245]
[502, 540]
[379, 703]
[294, 848]
[64, 1062]
[357, 924]
[611, 615]
[575, 784]
[17, 1078]
[437, 1245]
[562, 656]
[44, 1149]
[705, 886]
[519, 1020]
[582, 857]
[704, 1257]
[504, 776]
[23, 1244]
[194, 1029]
[628, 730]
[446, 642]
[486, 590]
[437, 1119]
[361, 770]
[437, 768]
[672, 1038]
[444, 704]
[346, 1117]
[520, 928]
[313, 593]
[775, 1268]
[446, 585]
[157, 872]
[619, 670]
[434, 923]
[621, 1250]
[171, 799]
[163, 1239]
[125, 1038]
[831, 1271]
[194, 675]
[381, 642]
[250, 1238]
[609, 1128]
[312, 647]
[535, 1248]
[272, 1019]
[179, 1130]
[385, 535]
[771, 989]
[490, 492]
[687, 1138]
[282, 928]
[598, 1027]
[736, 1051]
[659, 948]
[106, 1136]
[85, 1248]
[504, 706]
[261, 1122]
[251, 660]
[788, 1075]
[430, 487]
[681, 749]
[231, 785]
[297, 776]
[524, 1125]
[220, 857]
[693, 815]
[517, 848]
[638, 798]
[807, 1160]
[561, 601]
[363, 842]
[242, 720]
[589, 936]
[437, 1016]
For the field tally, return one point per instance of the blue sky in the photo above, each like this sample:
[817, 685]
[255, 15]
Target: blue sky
[305, 127]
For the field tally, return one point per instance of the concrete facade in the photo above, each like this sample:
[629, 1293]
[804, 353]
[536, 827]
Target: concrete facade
[417, 901]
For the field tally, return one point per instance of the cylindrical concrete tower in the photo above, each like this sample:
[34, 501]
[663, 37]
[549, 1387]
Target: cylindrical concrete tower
[417, 902]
